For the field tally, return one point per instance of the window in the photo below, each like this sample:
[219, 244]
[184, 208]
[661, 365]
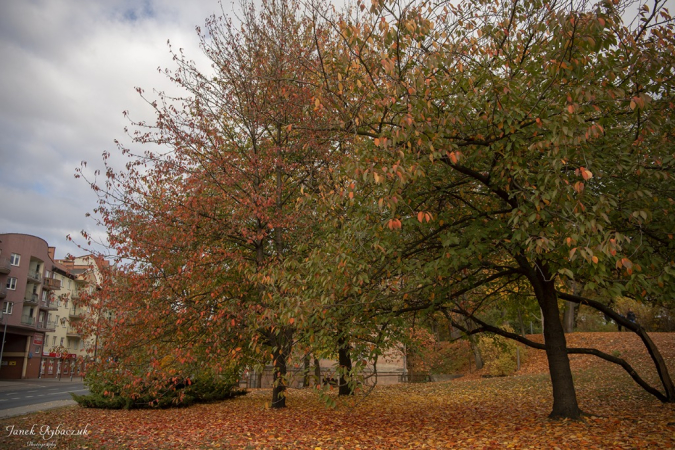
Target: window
[48, 274]
[53, 341]
[14, 259]
[7, 308]
[44, 296]
[11, 283]
[62, 342]
[37, 349]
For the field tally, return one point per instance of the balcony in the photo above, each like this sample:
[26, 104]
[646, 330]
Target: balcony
[31, 300]
[34, 276]
[5, 266]
[73, 332]
[76, 313]
[3, 291]
[51, 284]
[27, 320]
[49, 305]
[46, 326]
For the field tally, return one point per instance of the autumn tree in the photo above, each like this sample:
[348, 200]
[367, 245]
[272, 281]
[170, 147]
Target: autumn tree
[520, 143]
[206, 221]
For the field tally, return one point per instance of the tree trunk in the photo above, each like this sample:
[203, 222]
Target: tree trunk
[565, 404]
[317, 371]
[345, 362]
[474, 345]
[305, 371]
[282, 347]
[520, 321]
[476, 352]
[568, 318]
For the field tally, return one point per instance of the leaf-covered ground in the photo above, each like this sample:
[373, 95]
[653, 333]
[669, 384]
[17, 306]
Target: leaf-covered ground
[481, 413]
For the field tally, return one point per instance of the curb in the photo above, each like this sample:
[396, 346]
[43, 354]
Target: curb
[20, 411]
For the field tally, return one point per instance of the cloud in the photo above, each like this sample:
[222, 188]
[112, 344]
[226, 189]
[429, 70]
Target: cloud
[69, 71]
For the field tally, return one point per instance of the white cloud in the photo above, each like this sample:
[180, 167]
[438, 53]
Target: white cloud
[69, 71]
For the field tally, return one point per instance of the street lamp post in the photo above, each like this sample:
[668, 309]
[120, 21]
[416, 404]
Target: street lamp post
[4, 334]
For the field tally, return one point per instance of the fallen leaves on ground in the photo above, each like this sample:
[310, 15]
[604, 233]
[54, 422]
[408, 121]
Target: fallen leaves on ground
[492, 413]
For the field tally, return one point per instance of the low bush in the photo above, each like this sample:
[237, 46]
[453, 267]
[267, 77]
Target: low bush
[500, 355]
[109, 393]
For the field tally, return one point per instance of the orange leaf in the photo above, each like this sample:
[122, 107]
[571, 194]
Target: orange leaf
[585, 173]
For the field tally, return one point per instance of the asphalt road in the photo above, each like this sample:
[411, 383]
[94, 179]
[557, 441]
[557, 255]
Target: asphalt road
[22, 393]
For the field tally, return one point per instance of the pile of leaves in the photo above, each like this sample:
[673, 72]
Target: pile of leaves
[506, 412]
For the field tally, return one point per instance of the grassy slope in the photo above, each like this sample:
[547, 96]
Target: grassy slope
[470, 413]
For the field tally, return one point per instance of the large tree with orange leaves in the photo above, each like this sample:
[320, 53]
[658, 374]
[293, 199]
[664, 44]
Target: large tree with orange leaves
[206, 221]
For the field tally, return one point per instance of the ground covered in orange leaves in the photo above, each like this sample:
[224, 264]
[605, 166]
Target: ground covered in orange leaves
[480, 413]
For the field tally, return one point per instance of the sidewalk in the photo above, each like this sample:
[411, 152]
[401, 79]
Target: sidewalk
[5, 413]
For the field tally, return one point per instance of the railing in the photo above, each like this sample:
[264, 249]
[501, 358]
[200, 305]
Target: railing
[51, 283]
[27, 320]
[50, 305]
[3, 291]
[46, 326]
[76, 313]
[35, 276]
[73, 331]
[5, 266]
[32, 299]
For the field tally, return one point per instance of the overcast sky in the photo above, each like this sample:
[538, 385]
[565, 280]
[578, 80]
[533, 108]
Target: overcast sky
[68, 68]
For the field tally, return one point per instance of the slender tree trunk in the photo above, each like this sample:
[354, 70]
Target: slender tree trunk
[653, 350]
[476, 352]
[305, 371]
[520, 321]
[568, 318]
[317, 371]
[474, 345]
[345, 362]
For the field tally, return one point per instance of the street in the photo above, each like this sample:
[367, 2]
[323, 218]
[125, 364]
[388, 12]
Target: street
[21, 393]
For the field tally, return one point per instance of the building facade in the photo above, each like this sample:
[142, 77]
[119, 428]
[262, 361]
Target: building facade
[39, 319]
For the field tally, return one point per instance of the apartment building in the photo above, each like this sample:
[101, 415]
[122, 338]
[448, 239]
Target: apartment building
[39, 319]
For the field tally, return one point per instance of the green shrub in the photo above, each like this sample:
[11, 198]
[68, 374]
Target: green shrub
[108, 392]
[499, 355]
